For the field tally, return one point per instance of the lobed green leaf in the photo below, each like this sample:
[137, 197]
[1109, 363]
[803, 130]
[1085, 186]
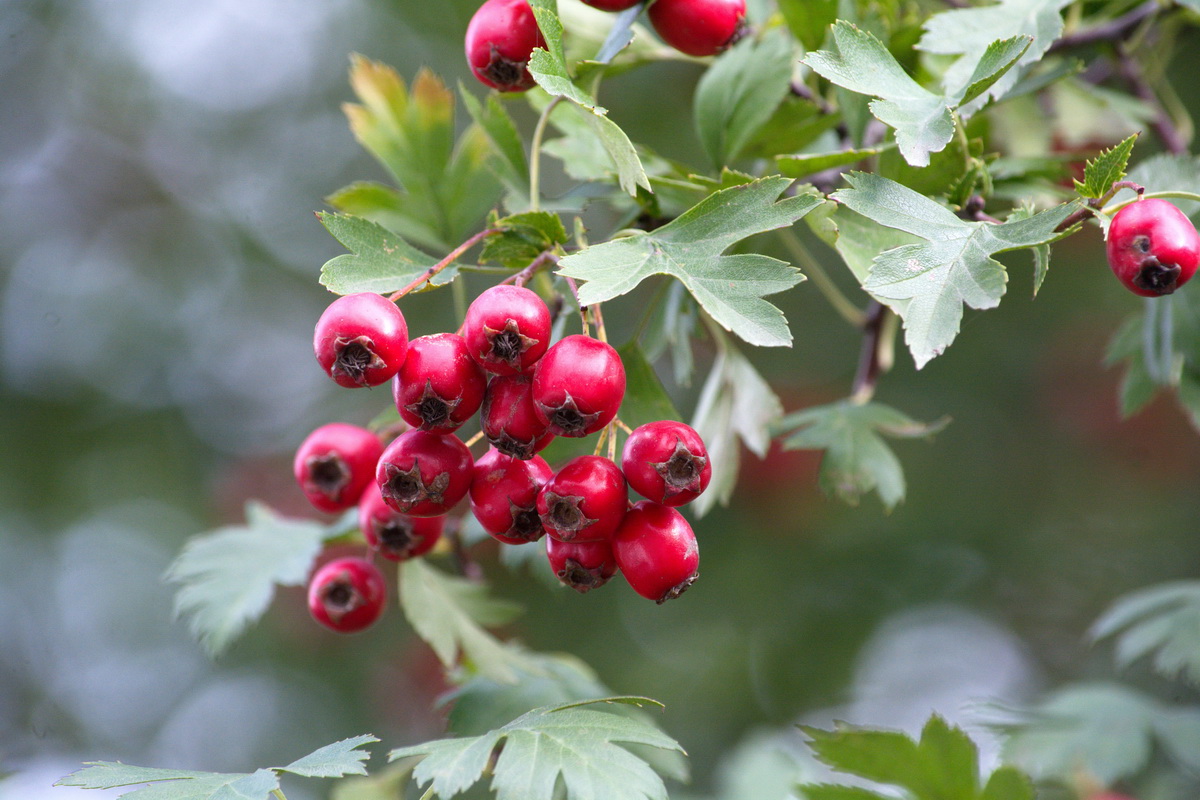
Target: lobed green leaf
[379, 261]
[1104, 170]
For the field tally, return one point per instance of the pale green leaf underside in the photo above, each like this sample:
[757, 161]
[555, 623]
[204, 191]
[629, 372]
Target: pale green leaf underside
[1163, 620]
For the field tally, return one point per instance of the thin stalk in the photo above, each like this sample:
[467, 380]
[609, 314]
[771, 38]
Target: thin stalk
[429, 274]
[474, 439]
[1119, 28]
[1165, 195]
[820, 278]
[535, 154]
[279, 794]
[870, 365]
[601, 333]
[587, 328]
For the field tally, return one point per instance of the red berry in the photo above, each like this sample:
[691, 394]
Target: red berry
[581, 565]
[578, 386]
[667, 462]
[347, 595]
[1153, 248]
[612, 5]
[335, 464]
[424, 474]
[584, 501]
[439, 387]
[361, 340]
[507, 329]
[500, 38]
[657, 551]
[509, 419]
[504, 493]
[396, 536]
[698, 27]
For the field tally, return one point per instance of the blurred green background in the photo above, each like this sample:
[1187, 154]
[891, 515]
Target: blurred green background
[159, 165]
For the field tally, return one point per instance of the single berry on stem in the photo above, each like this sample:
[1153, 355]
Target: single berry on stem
[335, 464]
[509, 420]
[424, 474]
[657, 551]
[1153, 248]
[440, 386]
[347, 595]
[504, 493]
[500, 38]
[666, 461]
[699, 27]
[578, 386]
[361, 340]
[581, 565]
[396, 536]
[507, 329]
[584, 501]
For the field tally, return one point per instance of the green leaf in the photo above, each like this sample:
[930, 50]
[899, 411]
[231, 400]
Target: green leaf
[801, 165]
[645, 398]
[493, 119]
[1165, 172]
[998, 58]
[739, 93]
[229, 575]
[928, 283]
[450, 613]
[1163, 620]
[857, 239]
[809, 20]
[729, 287]
[334, 760]
[1008, 783]
[379, 260]
[523, 238]
[574, 743]
[630, 173]
[548, 66]
[833, 791]
[857, 460]
[385, 784]
[735, 404]
[1104, 170]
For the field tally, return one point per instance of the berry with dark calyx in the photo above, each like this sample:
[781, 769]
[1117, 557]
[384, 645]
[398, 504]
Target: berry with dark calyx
[581, 565]
[504, 493]
[1152, 246]
[335, 464]
[507, 329]
[578, 386]
[509, 419]
[657, 551]
[396, 536]
[500, 38]
[699, 27]
[347, 595]
[440, 386]
[612, 5]
[584, 501]
[667, 462]
[361, 340]
[424, 474]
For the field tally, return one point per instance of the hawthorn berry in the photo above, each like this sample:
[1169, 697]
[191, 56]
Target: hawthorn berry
[396, 536]
[698, 27]
[1152, 247]
[509, 419]
[440, 386]
[578, 386]
[507, 329]
[584, 501]
[504, 493]
[657, 552]
[361, 340]
[612, 5]
[581, 565]
[347, 595]
[335, 464]
[424, 474]
[500, 38]
[666, 461]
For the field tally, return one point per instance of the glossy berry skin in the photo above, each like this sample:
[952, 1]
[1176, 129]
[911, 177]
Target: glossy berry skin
[347, 595]
[500, 38]
[424, 474]
[509, 419]
[1153, 248]
[578, 386]
[504, 493]
[396, 536]
[666, 461]
[361, 340]
[335, 464]
[657, 551]
[584, 501]
[612, 5]
[507, 329]
[582, 565]
[440, 386]
[698, 27]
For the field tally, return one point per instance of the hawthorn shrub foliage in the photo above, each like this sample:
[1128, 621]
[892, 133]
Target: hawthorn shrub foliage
[906, 139]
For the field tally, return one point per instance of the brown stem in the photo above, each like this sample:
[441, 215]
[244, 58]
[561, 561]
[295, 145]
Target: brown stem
[1164, 127]
[1111, 31]
[428, 274]
[869, 366]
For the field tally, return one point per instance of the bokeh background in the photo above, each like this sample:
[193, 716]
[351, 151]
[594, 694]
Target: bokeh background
[160, 162]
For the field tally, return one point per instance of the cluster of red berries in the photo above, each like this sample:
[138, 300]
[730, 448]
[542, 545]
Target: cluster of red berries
[503, 33]
[1153, 248]
[526, 393]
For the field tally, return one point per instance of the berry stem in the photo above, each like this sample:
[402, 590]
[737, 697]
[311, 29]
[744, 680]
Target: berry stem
[620, 424]
[428, 274]
[474, 439]
[872, 358]
[820, 278]
[587, 328]
[535, 154]
[601, 334]
[1113, 209]
[1119, 28]
[279, 795]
